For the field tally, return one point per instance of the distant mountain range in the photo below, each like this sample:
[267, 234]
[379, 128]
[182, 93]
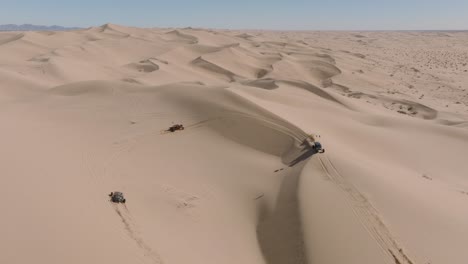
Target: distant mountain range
[29, 27]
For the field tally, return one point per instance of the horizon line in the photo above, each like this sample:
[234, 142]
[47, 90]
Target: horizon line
[216, 28]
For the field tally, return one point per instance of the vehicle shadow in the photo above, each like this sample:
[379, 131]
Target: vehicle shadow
[307, 151]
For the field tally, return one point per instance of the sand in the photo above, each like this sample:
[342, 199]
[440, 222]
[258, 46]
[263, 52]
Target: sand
[83, 113]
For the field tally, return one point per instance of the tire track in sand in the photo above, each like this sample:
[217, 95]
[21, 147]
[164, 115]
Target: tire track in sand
[366, 214]
[132, 231]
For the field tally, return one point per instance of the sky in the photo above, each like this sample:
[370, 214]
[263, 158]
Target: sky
[244, 14]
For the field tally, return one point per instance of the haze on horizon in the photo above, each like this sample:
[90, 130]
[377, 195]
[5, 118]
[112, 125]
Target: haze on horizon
[242, 14]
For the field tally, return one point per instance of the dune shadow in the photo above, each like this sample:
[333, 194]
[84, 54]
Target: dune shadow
[279, 233]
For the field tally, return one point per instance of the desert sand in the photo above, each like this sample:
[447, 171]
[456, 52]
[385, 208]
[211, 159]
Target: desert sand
[83, 113]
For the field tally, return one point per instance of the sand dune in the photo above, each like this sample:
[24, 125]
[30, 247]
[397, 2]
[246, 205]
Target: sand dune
[244, 63]
[84, 113]
[144, 66]
[179, 37]
[6, 38]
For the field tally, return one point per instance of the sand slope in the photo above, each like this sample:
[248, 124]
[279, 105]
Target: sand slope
[84, 113]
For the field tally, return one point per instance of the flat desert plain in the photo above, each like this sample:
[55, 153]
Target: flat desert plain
[84, 113]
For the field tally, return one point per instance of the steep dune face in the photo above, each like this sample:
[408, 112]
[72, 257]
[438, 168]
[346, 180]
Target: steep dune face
[86, 112]
[6, 38]
[144, 66]
[243, 62]
[179, 37]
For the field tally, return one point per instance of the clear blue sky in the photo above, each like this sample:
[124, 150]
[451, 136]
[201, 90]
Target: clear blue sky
[261, 14]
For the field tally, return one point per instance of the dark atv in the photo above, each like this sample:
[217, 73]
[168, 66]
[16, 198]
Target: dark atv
[318, 147]
[176, 127]
[117, 197]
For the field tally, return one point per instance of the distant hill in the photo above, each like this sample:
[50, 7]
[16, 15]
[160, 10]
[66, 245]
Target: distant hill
[29, 27]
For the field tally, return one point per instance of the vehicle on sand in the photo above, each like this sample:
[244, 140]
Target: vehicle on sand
[318, 147]
[315, 145]
[117, 197]
[176, 127]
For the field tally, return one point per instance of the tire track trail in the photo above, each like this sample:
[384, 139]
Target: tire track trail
[367, 214]
[132, 231]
